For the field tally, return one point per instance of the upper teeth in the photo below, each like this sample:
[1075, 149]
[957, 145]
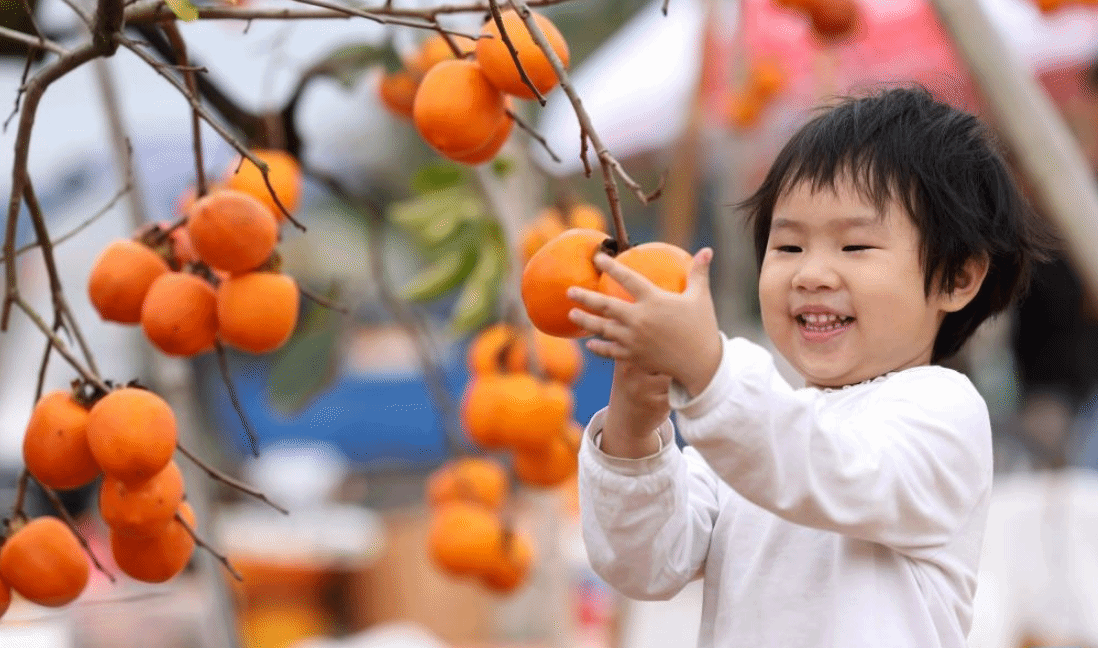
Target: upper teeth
[820, 318]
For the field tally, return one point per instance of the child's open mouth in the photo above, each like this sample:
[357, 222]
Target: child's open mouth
[819, 327]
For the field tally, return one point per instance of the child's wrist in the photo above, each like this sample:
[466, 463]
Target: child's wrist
[618, 442]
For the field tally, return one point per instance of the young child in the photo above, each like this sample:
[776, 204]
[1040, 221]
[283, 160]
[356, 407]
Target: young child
[849, 512]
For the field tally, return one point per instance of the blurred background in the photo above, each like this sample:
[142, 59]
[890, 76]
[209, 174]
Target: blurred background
[349, 427]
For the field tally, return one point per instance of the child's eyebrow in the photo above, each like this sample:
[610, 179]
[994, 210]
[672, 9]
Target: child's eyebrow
[844, 223]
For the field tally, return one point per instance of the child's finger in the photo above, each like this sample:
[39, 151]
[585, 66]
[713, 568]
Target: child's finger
[608, 349]
[634, 282]
[596, 302]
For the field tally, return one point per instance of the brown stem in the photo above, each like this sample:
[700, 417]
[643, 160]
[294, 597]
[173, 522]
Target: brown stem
[217, 475]
[40, 384]
[17, 511]
[223, 365]
[497, 16]
[386, 13]
[180, 46]
[221, 130]
[534, 134]
[322, 301]
[59, 506]
[213, 552]
[35, 88]
[609, 165]
[58, 343]
[63, 313]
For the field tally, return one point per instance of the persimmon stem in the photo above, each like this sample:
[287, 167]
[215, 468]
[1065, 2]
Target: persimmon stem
[59, 506]
[20, 495]
[213, 552]
[223, 365]
[217, 475]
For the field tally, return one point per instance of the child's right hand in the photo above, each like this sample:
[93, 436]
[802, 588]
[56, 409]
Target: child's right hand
[638, 405]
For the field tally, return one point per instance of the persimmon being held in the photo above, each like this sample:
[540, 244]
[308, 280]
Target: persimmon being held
[563, 262]
[665, 265]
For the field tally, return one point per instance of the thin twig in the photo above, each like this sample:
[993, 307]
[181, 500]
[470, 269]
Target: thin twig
[534, 134]
[498, 18]
[159, 11]
[58, 343]
[34, 89]
[40, 385]
[213, 552]
[64, 314]
[180, 46]
[79, 228]
[223, 365]
[221, 130]
[217, 475]
[666, 4]
[607, 162]
[308, 294]
[20, 495]
[33, 41]
[59, 506]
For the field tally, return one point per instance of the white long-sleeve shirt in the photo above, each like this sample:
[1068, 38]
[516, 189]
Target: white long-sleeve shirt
[849, 517]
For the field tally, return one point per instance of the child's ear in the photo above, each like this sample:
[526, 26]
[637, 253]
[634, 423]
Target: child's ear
[966, 284]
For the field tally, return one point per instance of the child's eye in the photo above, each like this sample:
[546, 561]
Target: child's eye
[788, 248]
[856, 248]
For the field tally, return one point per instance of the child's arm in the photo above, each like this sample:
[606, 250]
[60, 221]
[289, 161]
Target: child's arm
[906, 470]
[647, 509]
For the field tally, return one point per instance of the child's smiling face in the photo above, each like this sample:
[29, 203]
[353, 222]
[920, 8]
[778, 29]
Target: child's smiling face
[841, 287]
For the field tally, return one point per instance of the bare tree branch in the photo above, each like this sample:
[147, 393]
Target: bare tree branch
[219, 476]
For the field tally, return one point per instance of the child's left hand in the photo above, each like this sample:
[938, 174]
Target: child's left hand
[672, 333]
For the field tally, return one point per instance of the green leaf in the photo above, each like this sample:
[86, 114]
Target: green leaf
[183, 9]
[305, 368]
[438, 176]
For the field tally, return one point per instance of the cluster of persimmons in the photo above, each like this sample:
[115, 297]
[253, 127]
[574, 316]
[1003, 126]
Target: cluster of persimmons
[509, 406]
[187, 286]
[459, 96]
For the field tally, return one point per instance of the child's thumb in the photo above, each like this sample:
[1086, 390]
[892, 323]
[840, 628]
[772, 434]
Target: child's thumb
[698, 278]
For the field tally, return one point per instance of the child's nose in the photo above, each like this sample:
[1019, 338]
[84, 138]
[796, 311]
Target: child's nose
[815, 273]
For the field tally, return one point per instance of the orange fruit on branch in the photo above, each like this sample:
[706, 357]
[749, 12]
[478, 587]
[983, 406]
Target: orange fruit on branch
[179, 315]
[499, 66]
[257, 311]
[553, 465]
[480, 407]
[492, 147]
[55, 444]
[463, 538]
[435, 50]
[120, 277]
[665, 265]
[513, 561]
[132, 434]
[144, 508]
[472, 479]
[158, 557]
[561, 263]
[44, 562]
[232, 231]
[284, 172]
[531, 412]
[456, 110]
[561, 358]
[550, 222]
[397, 91]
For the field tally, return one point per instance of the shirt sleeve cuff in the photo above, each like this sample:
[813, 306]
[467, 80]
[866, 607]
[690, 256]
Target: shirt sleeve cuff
[621, 465]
